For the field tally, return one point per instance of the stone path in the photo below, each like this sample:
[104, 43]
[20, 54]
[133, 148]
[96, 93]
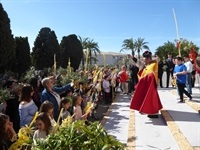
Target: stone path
[177, 128]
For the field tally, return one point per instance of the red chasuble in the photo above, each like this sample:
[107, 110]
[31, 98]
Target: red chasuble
[146, 99]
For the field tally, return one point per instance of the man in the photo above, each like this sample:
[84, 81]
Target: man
[160, 70]
[170, 68]
[146, 99]
[133, 74]
[189, 67]
[133, 68]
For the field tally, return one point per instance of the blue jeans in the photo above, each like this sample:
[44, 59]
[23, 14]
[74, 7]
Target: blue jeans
[189, 83]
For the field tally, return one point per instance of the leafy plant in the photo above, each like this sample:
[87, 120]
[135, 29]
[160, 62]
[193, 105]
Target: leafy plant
[28, 74]
[80, 135]
[5, 95]
[73, 77]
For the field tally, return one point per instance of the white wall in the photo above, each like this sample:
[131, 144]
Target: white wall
[111, 58]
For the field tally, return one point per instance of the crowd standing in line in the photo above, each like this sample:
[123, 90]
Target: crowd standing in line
[41, 94]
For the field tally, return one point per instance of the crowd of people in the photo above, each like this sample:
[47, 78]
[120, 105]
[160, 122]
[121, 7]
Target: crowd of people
[47, 98]
[180, 69]
[44, 96]
[168, 64]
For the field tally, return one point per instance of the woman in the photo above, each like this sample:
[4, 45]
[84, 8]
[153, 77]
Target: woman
[12, 109]
[6, 131]
[27, 107]
[51, 93]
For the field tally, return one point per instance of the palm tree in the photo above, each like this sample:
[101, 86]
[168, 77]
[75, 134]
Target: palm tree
[83, 43]
[128, 44]
[91, 46]
[139, 45]
[93, 49]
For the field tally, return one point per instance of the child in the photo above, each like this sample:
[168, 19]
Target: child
[48, 108]
[123, 79]
[43, 126]
[69, 97]
[180, 72]
[107, 89]
[94, 99]
[6, 131]
[27, 107]
[65, 104]
[78, 114]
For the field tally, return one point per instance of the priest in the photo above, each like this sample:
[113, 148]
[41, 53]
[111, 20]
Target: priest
[146, 99]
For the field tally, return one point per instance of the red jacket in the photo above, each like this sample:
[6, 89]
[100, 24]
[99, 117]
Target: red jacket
[123, 76]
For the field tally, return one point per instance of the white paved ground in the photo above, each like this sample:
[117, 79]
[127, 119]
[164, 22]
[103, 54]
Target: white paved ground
[154, 133]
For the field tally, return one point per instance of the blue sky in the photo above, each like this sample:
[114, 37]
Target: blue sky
[107, 22]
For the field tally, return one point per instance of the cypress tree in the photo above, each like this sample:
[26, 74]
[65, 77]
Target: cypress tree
[45, 46]
[7, 46]
[71, 48]
[23, 59]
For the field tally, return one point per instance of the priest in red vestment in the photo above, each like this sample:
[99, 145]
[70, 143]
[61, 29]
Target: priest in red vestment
[146, 99]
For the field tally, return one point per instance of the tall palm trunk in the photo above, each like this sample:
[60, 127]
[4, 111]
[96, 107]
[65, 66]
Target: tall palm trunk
[83, 62]
[90, 56]
[138, 54]
[133, 53]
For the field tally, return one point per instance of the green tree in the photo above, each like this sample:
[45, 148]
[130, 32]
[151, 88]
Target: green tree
[129, 44]
[168, 47]
[84, 44]
[93, 49]
[84, 41]
[45, 46]
[185, 47]
[7, 46]
[139, 45]
[72, 49]
[23, 59]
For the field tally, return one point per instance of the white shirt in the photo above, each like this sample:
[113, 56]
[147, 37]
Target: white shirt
[189, 66]
[106, 86]
[78, 112]
[39, 134]
[57, 97]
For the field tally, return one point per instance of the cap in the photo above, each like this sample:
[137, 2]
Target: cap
[147, 54]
